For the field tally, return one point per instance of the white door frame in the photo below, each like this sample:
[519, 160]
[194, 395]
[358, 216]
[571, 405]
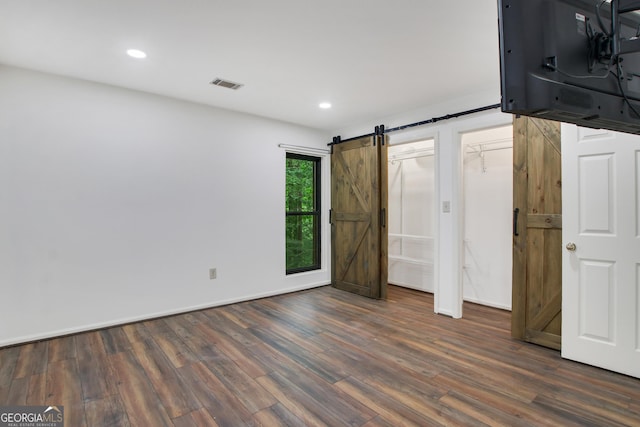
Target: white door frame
[400, 143]
[480, 282]
[420, 134]
[478, 122]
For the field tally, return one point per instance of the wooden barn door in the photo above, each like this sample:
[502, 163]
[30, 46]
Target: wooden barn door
[358, 216]
[537, 240]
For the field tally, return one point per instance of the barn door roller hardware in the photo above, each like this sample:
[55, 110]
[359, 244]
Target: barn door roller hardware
[424, 122]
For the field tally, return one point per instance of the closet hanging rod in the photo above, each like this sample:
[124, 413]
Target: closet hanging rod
[401, 158]
[489, 149]
[410, 154]
[495, 141]
[414, 151]
[424, 122]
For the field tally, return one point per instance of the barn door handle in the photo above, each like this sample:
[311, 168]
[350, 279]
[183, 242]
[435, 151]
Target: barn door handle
[516, 211]
[383, 218]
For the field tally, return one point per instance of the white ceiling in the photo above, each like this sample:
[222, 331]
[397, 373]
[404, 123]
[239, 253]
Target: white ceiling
[369, 58]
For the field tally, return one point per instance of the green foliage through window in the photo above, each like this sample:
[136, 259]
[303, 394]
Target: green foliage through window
[302, 213]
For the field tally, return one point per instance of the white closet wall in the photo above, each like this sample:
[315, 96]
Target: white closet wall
[411, 215]
[488, 195]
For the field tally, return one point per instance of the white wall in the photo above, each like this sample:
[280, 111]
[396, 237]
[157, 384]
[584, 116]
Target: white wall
[488, 204]
[114, 204]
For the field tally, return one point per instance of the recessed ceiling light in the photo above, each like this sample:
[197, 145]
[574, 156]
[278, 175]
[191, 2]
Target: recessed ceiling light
[135, 53]
[325, 105]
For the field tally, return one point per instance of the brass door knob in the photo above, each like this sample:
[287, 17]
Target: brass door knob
[571, 247]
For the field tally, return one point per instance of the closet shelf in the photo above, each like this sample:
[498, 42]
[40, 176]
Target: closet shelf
[410, 236]
[409, 260]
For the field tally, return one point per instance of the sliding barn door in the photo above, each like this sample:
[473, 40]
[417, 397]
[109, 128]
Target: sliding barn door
[537, 241]
[358, 216]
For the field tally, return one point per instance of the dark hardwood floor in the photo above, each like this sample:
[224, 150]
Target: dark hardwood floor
[318, 357]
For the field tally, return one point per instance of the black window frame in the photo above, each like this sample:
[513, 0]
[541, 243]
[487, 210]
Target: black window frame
[316, 213]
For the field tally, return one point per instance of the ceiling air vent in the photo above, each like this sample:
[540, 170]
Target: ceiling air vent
[226, 83]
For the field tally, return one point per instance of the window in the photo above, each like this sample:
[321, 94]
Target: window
[303, 213]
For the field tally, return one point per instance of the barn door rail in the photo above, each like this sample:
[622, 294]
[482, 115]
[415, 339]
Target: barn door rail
[380, 130]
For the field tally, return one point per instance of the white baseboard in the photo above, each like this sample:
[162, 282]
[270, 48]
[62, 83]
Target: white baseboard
[488, 304]
[410, 286]
[149, 316]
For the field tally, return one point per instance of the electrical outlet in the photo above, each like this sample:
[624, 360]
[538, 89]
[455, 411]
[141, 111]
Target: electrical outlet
[213, 273]
[446, 206]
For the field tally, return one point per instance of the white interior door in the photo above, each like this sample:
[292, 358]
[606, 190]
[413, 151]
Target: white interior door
[601, 265]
